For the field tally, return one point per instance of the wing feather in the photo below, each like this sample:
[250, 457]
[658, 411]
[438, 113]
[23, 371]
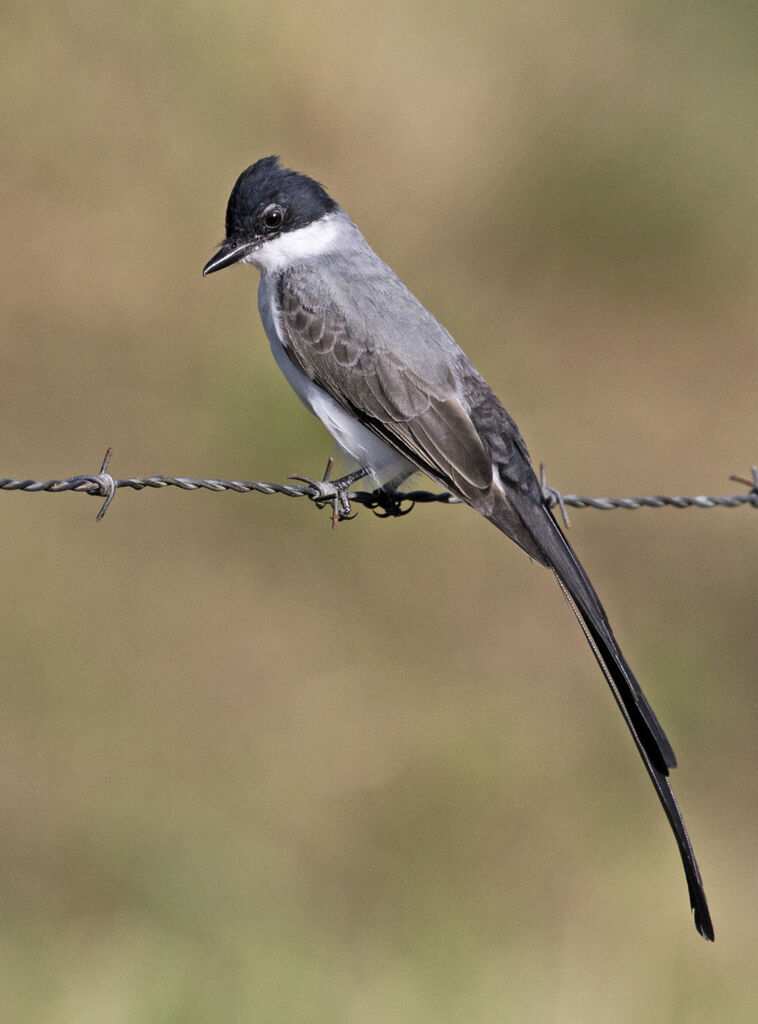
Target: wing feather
[425, 421]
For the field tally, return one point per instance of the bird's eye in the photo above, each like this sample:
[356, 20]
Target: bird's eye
[273, 216]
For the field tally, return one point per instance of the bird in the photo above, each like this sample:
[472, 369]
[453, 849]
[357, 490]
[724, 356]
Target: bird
[399, 395]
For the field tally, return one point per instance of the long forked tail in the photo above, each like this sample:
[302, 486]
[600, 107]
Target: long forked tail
[659, 778]
[545, 540]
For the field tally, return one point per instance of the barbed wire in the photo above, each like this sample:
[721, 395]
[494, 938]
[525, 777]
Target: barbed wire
[382, 503]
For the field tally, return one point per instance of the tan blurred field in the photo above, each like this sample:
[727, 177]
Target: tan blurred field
[258, 771]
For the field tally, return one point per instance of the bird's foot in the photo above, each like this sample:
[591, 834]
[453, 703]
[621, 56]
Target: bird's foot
[333, 492]
[387, 503]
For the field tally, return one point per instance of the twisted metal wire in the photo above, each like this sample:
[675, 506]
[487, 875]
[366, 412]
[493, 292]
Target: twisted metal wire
[104, 485]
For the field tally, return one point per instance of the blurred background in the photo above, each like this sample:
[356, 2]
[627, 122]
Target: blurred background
[256, 770]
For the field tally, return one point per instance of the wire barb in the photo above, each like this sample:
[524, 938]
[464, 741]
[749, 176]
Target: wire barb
[101, 483]
[384, 503]
[333, 492]
[752, 484]
[107, 484]
[553, 497]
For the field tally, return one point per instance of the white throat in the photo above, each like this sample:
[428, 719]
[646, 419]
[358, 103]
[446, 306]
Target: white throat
[313, 240]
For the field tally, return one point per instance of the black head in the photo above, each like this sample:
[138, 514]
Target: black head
[266, 201]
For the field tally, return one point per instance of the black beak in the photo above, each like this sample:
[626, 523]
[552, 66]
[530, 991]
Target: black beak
[229, 253]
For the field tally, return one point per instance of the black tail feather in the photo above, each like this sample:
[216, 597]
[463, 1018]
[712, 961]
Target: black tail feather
[659, 778]
[542, 538]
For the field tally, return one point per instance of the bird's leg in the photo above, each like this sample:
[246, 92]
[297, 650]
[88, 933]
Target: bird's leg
[333, 492]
